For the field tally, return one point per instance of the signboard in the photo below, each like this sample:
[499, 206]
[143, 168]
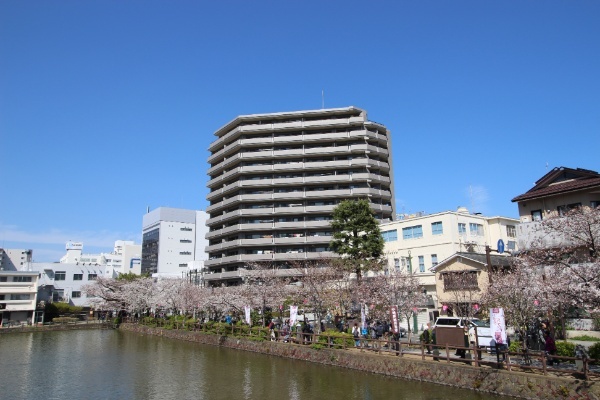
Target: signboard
[247, 310]
[363, 316]
[394, 319]
[74, 246]
[293, 315]
[497, 325]
[500, 246]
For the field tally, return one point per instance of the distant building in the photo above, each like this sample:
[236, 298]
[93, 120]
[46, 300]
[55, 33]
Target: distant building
[558, 191]
[14, 259]
[171, 244]
[18, 297]
[418, 243]
[125, 258]
[275, 179]
[64, 281]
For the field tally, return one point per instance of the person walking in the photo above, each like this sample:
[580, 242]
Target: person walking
[426, 338]
[550, 347]
[356, 335]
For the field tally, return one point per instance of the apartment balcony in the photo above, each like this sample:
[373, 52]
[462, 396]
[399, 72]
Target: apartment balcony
[222, 260]
[287, 181]
[327, 193]
[223, 246]
[301, 224]
[292, 166]
[219, 276]
[327, 165]
[320, 209]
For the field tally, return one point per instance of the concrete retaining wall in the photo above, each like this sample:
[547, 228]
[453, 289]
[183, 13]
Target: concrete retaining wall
[58, 327]
[517, 384]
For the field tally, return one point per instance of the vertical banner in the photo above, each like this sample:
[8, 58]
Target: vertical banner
[394, 319]
[247, 310]
[497, 325]
[363, 316]
[293, 315]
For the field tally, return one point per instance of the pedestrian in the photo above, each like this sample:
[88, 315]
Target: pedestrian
[426, 338]
[356, 335]
[550, 347]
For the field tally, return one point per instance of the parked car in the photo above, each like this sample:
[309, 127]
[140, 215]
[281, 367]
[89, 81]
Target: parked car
[484, 333]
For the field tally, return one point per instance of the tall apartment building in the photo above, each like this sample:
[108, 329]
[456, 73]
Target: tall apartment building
[276, 178]
[169, 243]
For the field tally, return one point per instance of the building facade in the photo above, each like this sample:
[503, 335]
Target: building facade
[276, 178]
[14, 259]
[557, 191]
[169, 244]
[18, 297]
[418, 243]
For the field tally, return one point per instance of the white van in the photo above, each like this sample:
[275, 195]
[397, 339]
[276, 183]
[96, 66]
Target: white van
[484, 333]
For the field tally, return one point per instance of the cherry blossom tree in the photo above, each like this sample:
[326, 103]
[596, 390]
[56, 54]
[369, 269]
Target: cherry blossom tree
[567, 247]
[522, 292]
[265, 285]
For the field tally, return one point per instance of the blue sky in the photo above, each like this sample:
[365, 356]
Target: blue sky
[108, 107]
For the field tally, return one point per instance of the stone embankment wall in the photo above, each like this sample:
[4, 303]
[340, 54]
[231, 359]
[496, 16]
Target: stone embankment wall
[517, 384]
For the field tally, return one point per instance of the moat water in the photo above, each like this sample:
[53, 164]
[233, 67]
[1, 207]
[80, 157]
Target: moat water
[106, 364]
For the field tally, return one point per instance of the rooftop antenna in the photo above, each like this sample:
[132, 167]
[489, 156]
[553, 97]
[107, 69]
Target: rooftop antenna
[147, 209]
[322, 99]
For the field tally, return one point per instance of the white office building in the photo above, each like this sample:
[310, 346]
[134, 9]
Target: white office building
[173, 241]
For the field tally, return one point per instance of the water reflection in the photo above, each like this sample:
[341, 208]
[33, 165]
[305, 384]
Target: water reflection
[120, 365]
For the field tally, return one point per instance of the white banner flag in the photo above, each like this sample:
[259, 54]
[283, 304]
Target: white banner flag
[293, 315]
[497, 325]
[247, 310]
[363, 316]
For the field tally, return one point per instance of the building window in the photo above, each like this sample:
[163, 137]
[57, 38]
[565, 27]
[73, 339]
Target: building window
[476, 229]
[185, 253]
[20, 296]
[390, 236]
[397, 264]
[21, 279]
[58, 295]
[434, 260]
[3, 279]
[562, 210]
[511, 245]
[511, 231]
[466, 280]
[185, 241]
[186, 229]
[412, 232]
[75, 294]
[183, 265]
[421, 264]
[594, 203]
[436, 228]
[536, 215]
[462, 228]
[92, 277]
[77, 277]
[60, 275]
